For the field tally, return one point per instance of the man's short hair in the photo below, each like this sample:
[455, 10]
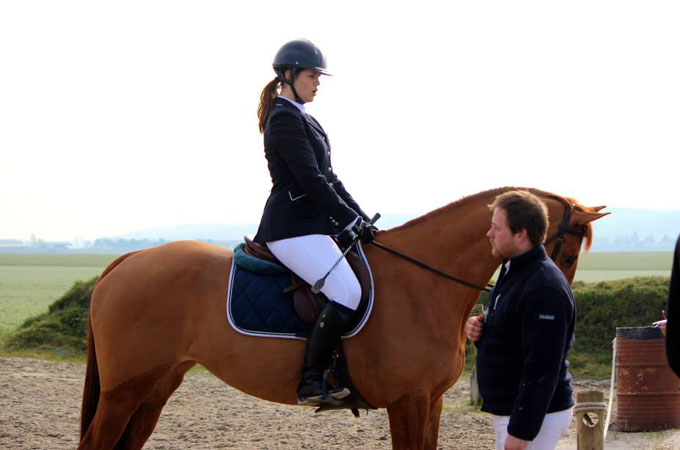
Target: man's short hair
[524, 210]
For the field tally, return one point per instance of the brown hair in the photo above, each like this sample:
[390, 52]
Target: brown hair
[267, 99]
[524, 210]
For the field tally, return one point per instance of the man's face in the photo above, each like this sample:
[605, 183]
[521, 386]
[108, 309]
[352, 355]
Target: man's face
[504, 244]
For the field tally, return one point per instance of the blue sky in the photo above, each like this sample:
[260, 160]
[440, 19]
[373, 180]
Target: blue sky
[125, 115]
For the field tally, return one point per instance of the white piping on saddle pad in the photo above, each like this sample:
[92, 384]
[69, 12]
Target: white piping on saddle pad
[270, 334]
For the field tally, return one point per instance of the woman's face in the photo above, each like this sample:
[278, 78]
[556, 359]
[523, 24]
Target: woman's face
[306, 83]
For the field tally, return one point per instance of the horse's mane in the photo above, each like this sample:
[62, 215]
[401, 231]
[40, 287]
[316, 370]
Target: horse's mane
[492, 193]
[459, 203]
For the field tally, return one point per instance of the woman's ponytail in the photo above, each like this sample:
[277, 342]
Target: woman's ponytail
[267, 99]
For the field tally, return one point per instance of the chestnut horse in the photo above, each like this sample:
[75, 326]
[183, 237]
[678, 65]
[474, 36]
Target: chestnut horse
[156, 313]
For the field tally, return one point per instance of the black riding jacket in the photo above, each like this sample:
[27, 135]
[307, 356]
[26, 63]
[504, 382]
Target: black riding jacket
[307, 197]
[527, 334]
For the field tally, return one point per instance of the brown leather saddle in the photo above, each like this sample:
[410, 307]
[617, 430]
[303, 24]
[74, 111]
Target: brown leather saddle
[308, 304]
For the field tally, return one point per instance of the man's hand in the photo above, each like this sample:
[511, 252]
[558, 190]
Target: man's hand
[474, 327]
[513, 443]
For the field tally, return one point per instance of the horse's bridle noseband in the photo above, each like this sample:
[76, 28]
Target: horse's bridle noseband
[559, 235]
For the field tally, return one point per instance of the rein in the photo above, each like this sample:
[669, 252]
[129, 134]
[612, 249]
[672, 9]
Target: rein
[559, 235]
[430, 268]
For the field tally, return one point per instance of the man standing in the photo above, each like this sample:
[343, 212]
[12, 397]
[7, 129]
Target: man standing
[527, 330]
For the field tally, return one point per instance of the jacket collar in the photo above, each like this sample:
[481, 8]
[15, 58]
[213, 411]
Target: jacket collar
[292, 103]
[536, 253]
[316, 125]
[284, 102]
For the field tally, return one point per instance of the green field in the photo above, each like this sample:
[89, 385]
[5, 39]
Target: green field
[30, 283]
[617, 265]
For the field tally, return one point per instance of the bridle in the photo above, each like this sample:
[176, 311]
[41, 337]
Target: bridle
[563, 229]
[559, 235]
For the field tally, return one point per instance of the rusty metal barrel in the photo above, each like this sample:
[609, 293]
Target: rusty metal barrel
[647, 394]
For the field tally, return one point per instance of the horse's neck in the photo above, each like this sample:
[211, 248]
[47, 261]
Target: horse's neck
[453, 240]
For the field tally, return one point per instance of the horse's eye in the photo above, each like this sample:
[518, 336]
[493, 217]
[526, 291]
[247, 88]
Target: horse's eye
[568, 259]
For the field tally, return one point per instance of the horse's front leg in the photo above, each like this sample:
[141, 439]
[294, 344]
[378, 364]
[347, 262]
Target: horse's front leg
[432, 425]
[414, 421]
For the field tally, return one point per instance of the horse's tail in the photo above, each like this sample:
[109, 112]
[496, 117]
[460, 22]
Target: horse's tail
[92, 388]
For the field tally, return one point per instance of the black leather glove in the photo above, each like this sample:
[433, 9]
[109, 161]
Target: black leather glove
[346, 238]
[365, 231]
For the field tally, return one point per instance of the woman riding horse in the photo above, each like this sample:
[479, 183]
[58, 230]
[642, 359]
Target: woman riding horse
[308, 204]
[156, 313]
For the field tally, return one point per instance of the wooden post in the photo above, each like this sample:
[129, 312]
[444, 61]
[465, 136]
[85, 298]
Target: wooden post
[475, 398]
[590, 412]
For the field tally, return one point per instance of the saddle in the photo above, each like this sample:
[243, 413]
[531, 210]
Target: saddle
[257, 274]
[308, 304]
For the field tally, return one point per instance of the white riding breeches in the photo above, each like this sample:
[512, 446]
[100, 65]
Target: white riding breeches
[554, 425]
[310, 257]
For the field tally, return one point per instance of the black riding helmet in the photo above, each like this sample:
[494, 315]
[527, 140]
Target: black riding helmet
[298, 55]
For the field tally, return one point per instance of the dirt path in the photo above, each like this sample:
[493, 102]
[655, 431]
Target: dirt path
[40, 409]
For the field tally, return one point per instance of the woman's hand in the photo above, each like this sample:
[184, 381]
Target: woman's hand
[346, 238]
[365, 231]
[367, 235]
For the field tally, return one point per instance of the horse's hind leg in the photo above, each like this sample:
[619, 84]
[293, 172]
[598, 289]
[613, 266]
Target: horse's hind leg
[144, 420]
[114, 410]
[113, 413]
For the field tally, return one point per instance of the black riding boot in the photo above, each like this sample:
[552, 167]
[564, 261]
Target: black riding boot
[320, 344]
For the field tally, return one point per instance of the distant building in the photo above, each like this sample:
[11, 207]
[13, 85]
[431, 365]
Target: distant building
[10, 242]
[33, 246]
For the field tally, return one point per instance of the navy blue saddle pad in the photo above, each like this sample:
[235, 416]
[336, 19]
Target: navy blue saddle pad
[257, 305]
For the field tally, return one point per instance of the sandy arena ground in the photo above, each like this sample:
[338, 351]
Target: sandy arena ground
[40, 409]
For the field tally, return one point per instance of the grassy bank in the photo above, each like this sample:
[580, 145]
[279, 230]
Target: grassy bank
[30, 283]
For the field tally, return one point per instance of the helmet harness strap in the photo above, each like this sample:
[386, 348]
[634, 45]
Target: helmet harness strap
[290, 81]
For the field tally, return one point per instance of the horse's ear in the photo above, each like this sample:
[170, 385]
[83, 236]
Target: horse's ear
[585, 217]
[597, 208]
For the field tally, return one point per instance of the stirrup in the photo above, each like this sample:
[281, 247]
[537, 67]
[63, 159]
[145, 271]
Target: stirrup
[332, 398]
